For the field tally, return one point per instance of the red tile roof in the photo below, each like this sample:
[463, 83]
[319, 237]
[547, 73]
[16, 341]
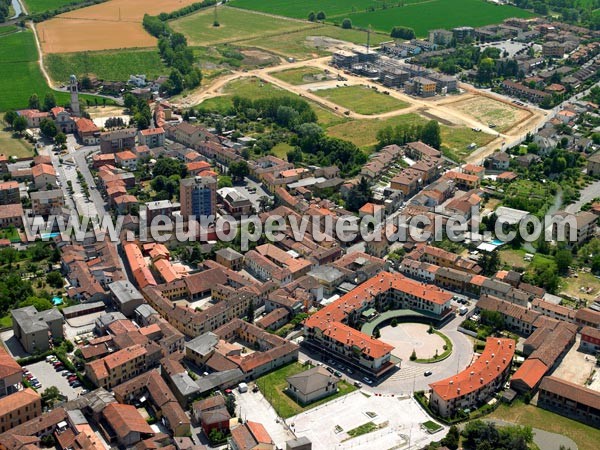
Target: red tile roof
[496, 357]
[42, 169]
[125, 419]
[530, 373]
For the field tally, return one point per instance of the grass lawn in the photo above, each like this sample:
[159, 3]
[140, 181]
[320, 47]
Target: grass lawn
[312, 42]
[110, 66]
[572, 286]
[585, 437]
[10, 233]
[281, 149]
[20, 75]
[235, 25]
[513, 258]
[362, 429]
[457, 139]
[13, 146]
[6, 321]
[300, 75]
[364, 132]
[8, 29]
[361, 99]
[273, 385]
[301, 8]
[38, 6]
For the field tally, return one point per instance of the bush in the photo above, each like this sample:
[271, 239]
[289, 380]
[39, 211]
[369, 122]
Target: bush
[394, 323]
[346, 24]
[413, 355]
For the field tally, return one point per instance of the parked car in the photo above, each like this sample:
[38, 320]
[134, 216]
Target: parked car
[367, 380]
[72, 378]
[358, 384]
[428, 373]
[330, 370]
[76, 384]
[338, 374]
[65, 373]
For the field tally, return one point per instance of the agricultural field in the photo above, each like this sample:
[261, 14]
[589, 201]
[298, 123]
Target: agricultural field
[13, 146]
[361, 99]
[313, 42]
[8, 29]
[301, 8]
[421, 15]
[433, 14]
[111, 66]
[20, 74]
[492, 112]
[300, 75]
[38, 6]
[235, 25]
[115, 24]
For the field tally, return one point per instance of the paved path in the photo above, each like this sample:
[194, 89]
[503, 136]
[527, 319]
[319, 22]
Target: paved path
[545, 440]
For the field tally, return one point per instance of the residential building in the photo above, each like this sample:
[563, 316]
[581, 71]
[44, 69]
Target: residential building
[117, 367]
[593, 165]
[126, 159]
[574, 229]
[421, 86]
[152, 137]
[44, 176]
[571, 400]
[45, 203]
[229, 258]
[125, 426]
[311, 385]
[34, 329]
[235, 203]
[522, 91]
[125, 297]
[87, 131]
[498, 161]
[250, 436]
[462, 33]
[553, 49]
[118, 140]
[9, 193]
[162, 208]
[477, 383]
[198, 196]
[590, 340]
[211, 413]
[440, 36]
[19, 408]
[11, 374]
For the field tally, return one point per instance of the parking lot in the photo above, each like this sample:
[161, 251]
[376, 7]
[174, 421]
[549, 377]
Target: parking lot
[398, 420]
[46, 374]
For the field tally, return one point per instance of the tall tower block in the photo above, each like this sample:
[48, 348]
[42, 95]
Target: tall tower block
[74, 96]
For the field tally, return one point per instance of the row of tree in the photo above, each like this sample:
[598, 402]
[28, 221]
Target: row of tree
[430, 134]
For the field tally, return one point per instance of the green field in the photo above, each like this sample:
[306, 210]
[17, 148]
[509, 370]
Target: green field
[301, 8]
[299, 75]
[421, 15]
[273, 387]
[309, 43]
[13, 146]
[585, 437]
[438, 14]
[361, 99]
[106, 65]
[8, 29]
[38, 6]
[20, 75]
[235, 25]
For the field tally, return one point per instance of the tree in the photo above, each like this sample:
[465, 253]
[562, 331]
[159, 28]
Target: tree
[230, 404]
[413, 355]
[563, 259]
[224, 181]
[177, 80]
[312, 16]
[60, 138]
[55, 279]
[11, 115]
[402, 33]
[34, 102]
[49, 101]
[452, 439]
[20, 124]
[168, 167]
[41, 304]
[239, 170]
[250, 312]
[346, 24]
[394, 323]
[294, 155]
[129, 101]
[48, 128]
[50, 396]
[431, 134]
[321, 16]
[216, 436]
[86, 83]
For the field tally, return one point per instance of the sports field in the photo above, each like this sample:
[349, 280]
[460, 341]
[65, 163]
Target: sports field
[114, 24]
[110, 66]
[421, 15]
[235, 25]
[361, 99]
[38, 6]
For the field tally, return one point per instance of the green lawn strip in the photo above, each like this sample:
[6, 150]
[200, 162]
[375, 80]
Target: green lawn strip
[273, 387]
[362, 429]
[298, 75]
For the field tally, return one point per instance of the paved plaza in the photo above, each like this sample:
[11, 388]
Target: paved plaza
[399, 420]
[407, 337]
